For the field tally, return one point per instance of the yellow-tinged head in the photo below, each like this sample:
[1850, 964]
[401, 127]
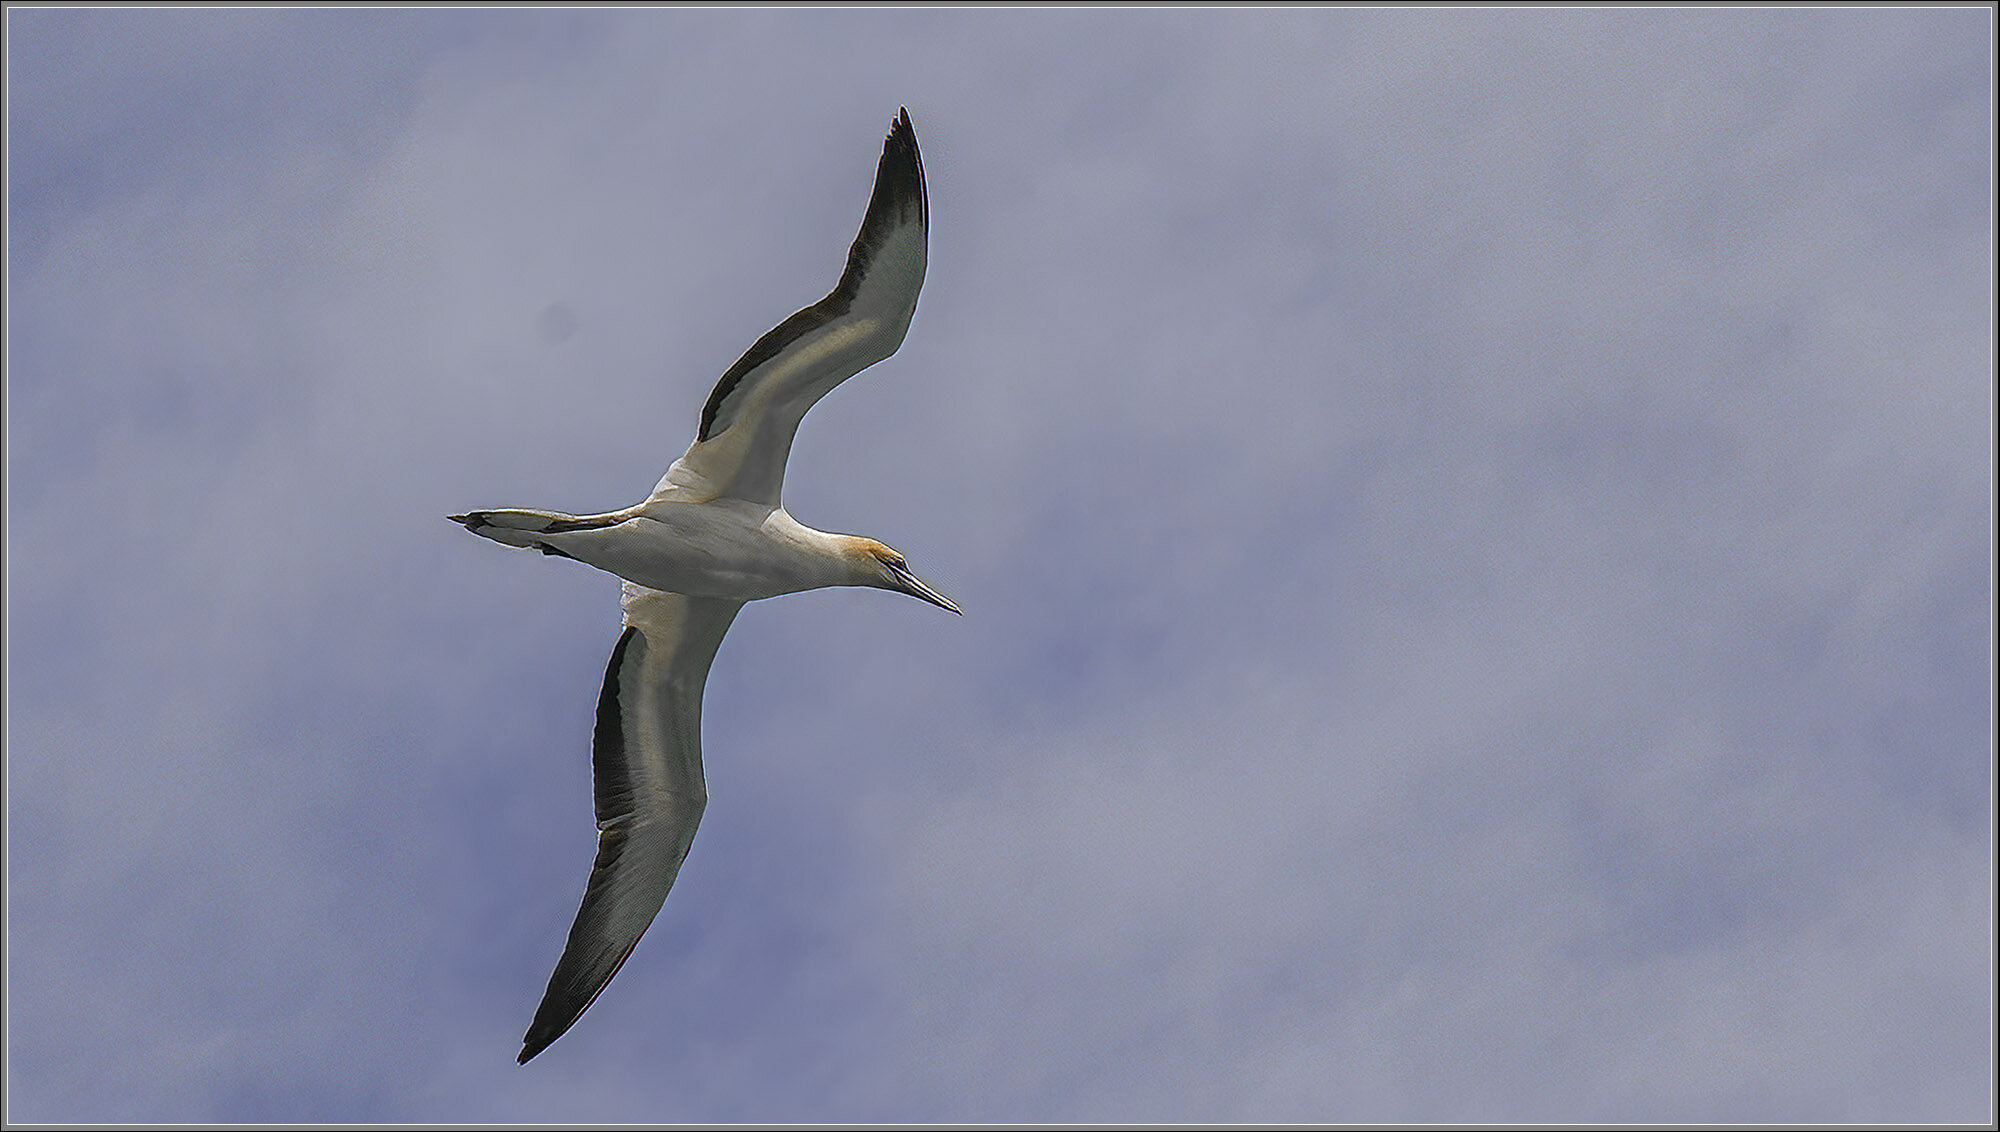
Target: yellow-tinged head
[881, 566]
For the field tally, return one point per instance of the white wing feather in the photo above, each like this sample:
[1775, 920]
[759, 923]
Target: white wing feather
[754, 411]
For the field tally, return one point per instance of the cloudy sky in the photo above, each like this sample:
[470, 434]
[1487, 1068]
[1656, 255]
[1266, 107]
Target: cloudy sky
[1475, 531]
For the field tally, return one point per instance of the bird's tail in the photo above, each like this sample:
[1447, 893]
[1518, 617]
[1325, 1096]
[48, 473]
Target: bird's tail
[525, 529]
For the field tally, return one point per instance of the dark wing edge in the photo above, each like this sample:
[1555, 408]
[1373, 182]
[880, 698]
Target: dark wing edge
[899, 192]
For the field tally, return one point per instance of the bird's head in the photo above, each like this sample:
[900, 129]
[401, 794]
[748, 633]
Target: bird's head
[882, 567]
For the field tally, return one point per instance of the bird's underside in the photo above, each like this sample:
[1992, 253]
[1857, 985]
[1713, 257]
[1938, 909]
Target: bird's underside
[712, 535]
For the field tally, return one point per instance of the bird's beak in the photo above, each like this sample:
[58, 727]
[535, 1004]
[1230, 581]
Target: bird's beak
[902, 581]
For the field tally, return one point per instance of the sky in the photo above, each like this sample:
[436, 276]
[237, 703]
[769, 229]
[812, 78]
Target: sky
[1475, 531]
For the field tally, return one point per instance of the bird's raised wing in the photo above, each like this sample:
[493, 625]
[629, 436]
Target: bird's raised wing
[747, 426]
[646, 774]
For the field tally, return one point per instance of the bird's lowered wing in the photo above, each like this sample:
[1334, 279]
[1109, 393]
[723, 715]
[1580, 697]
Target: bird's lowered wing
[646, 775]
[751, 416]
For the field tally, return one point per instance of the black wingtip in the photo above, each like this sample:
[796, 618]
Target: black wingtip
[541, 1036]
[544, 1032]
[901, 170]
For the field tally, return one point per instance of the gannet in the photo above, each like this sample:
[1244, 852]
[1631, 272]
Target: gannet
[714, 534]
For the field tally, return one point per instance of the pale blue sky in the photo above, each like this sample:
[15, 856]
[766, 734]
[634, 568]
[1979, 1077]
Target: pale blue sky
[1475, 531]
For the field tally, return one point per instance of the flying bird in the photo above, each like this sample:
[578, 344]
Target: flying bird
[715, 534]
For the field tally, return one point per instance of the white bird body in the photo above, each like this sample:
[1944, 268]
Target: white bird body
[713, 535]
[724, 547]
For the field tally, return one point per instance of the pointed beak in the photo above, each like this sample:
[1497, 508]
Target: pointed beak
[902, 581]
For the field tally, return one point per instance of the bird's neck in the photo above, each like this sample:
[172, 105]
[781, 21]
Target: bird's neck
[847, 560]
